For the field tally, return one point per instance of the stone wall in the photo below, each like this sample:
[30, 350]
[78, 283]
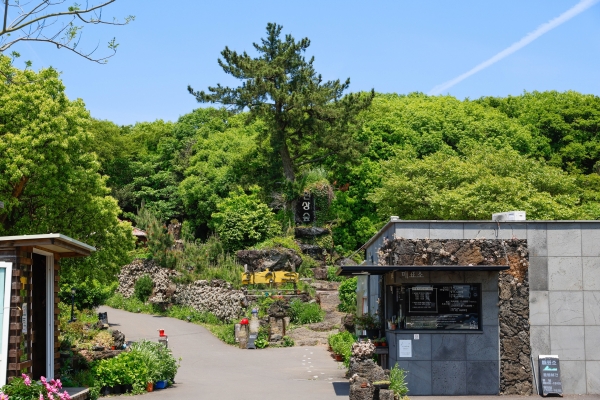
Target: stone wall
[216, 296]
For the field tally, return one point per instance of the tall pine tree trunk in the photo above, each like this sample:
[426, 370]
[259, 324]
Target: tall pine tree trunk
[286, 160]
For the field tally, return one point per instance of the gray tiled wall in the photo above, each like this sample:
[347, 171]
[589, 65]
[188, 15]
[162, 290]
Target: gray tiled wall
[564, 279]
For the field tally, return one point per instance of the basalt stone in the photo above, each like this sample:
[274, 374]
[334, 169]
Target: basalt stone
[118, 339]
[386, 394]
[320, 273]
[314, 251]
[280, 259]
[366, 369]
[358, 392]
[347, 323]
[279, 309]
[309, 233]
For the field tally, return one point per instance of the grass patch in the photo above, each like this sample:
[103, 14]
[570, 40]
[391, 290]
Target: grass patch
[305, 313]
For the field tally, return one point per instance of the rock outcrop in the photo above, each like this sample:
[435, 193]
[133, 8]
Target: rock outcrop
[280, 259]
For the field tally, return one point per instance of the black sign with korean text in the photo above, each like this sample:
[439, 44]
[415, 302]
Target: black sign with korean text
[305, 209]
[443, 306]
[549, 371]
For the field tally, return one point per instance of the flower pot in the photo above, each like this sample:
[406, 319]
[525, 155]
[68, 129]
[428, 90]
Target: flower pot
[394, 326]
[128, 388]
[116, 389]
[338, 357]
[105, 390]
[149, 387]
[113, 347]
[160, 384]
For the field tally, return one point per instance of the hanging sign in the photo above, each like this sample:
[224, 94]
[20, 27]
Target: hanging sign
[24, 318]
[305, 209]
[549, 371]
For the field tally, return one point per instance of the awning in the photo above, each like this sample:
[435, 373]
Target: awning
[53, 242]
[350, 270]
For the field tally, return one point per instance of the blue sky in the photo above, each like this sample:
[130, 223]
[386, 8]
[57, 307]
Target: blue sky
[391, 46]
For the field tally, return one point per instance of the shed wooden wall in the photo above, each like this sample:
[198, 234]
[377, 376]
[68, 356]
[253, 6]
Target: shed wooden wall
[19, 348]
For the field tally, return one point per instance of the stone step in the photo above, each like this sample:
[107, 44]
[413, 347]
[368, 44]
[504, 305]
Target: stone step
[325, 285]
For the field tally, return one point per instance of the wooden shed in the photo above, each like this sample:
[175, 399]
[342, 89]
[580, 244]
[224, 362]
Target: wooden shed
[29, 285]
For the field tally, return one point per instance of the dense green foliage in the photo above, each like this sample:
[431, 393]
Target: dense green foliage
[347, 293]
[145, 362]
[305, 313]
[243, 220]
[50, 179]
[143, 288]
[89, 293]
[341, 343]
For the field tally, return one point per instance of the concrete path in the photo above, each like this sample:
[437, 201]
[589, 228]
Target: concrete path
[211, 369]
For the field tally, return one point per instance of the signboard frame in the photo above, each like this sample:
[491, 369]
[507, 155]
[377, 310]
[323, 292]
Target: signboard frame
[470, 315]
[550, 385]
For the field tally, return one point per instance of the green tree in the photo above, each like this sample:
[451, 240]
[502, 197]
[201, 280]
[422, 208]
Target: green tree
[243, 220]
[49, 180]
[484, 181]
[568, 121]
[306, 120]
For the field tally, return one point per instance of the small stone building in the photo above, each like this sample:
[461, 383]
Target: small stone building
[29, 285]
[476, 301]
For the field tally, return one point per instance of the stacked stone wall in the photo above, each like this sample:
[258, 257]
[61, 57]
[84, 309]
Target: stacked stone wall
[216, 296]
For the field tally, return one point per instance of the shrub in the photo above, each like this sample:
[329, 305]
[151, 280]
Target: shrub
[347, 293]
[341, 343]
[305, 313]
[332, 277]
[398, 382]
[88, 294]
[288, 341]
[243, 220]
[143, 288]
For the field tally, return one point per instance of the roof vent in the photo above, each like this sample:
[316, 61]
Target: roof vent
[509, 216]
[394, 218]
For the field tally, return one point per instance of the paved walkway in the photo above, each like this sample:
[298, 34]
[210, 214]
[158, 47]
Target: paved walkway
[211, 369]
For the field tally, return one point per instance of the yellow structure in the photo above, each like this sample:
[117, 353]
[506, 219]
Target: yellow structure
[269, 277]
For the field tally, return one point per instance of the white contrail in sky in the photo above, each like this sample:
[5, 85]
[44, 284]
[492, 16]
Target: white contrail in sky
[530, 37]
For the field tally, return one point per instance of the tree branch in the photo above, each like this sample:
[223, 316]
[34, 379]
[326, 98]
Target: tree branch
[33, 23]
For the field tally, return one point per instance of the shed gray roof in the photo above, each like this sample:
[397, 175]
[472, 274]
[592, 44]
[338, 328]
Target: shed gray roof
[53, 242]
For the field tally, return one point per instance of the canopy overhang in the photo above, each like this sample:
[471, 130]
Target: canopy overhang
[351, 270]
[56, 243]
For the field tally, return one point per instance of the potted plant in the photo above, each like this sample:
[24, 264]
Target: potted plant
[370, 323]
[383, 342]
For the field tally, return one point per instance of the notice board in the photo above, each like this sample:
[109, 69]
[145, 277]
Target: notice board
[443, 306]
[549, 371]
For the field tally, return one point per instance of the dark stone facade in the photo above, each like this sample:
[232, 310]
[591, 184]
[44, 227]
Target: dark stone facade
[507, 293]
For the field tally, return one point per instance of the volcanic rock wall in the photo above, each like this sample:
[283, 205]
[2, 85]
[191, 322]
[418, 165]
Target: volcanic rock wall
[216, 296]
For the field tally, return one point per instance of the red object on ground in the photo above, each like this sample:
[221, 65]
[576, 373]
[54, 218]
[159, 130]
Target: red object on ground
[244, 321]
[161, 332]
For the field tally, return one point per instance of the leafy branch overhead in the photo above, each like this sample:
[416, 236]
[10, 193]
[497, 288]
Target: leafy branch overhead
[53, 22]
[307, 119]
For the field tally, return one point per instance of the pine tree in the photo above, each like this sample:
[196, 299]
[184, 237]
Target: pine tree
[307, 120]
